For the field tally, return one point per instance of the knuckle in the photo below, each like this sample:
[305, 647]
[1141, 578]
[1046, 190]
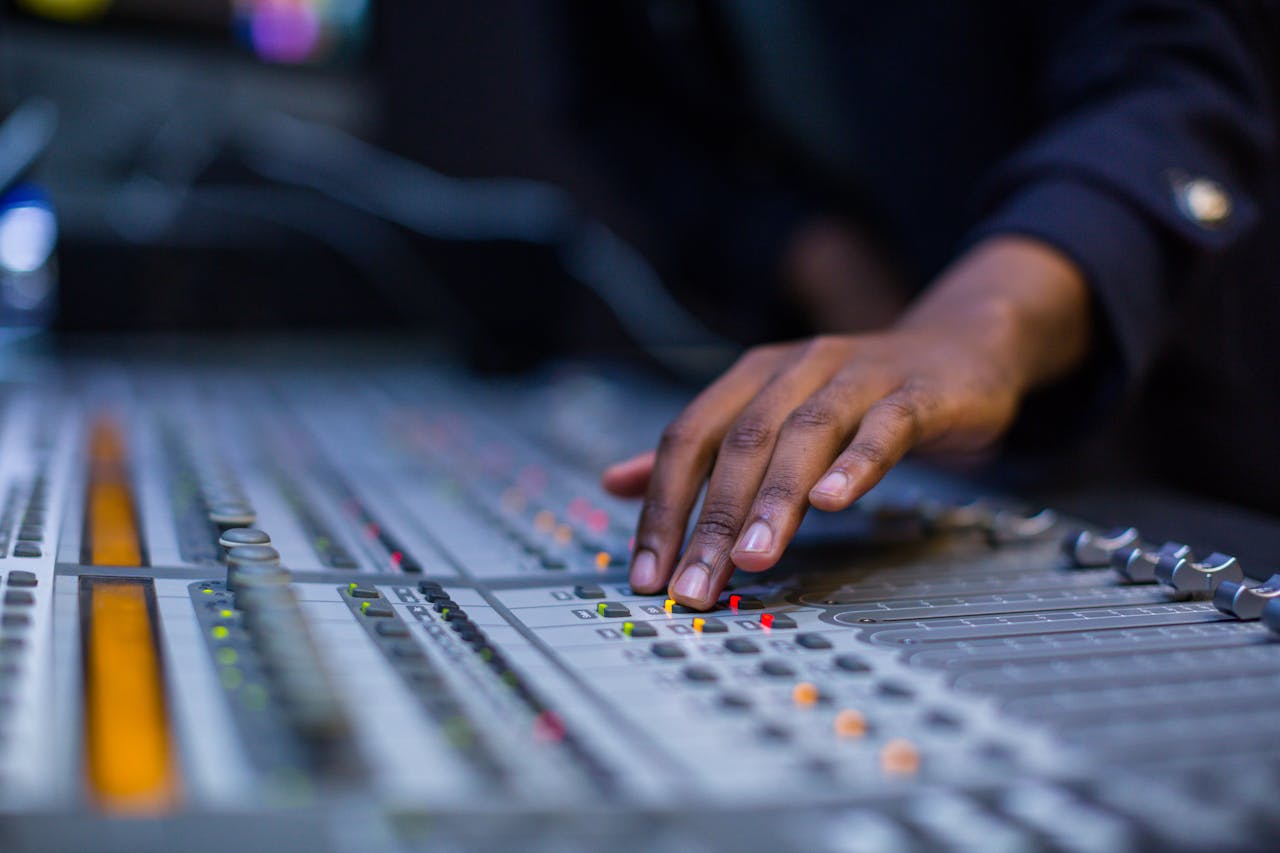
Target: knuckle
[749, 435]
[717, 521]
[902, 412]
[680, 433]
[812, 416]
[656, 515]
[780, 490]
[870, 453]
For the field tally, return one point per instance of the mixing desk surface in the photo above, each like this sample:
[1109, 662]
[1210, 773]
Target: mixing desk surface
[385, 607]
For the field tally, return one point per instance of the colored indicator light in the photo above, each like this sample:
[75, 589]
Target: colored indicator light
[231, 677]
[228, 656]
[226, 614]
[699, 624]
[598, 520]
[548, 727]
[733, 602]
[767, 620]
[579, 508]
[544, 521]
[600, 608]
[564, 534]
[628, 628]
[602, 559]
[900, 757]
[396, 558]
[805, 693]
[668, 604]
[207, 591]
[849, 724]
[352, 585]
[219, 632]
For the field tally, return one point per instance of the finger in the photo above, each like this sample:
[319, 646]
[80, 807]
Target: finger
[629, 478]
[890, 428]
[811, 437]
[682, 461]
[740, 464]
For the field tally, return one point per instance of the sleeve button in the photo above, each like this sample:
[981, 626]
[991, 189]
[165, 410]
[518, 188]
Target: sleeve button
[1202, 200]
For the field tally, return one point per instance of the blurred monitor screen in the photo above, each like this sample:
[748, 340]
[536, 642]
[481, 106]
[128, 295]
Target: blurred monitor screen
[288, 32]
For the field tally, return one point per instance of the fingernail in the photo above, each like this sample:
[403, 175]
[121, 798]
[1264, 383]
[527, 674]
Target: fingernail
[693, 582]
[834, 485]
[644, 569]
[757, 540]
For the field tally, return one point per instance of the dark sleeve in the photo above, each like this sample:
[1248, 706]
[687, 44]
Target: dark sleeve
[1151, 158]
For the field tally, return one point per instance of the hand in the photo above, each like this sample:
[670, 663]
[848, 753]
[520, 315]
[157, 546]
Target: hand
[820, 422]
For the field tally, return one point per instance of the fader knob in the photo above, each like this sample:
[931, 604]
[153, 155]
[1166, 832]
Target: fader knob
[234, 536]
[1138, 564]
[1245, 602]
[1271, 615]
[1011, 526]
[1090, 550]
[254, 566]
[232, 514]
[1187, 575]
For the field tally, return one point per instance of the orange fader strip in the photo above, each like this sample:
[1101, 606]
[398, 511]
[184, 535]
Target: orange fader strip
[128, 749]
[111, 522]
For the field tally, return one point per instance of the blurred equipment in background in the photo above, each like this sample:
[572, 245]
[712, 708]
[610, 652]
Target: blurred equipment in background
[28, 224]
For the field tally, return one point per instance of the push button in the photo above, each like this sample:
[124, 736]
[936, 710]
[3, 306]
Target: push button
[22, 577]
[777, 621]
[776, 669]
[741, 646]
[392, 629]
[700, 674]
[852, 663]
[26, 549]
[707, 625]
[813, 641]
[639, 629]
[588, 591]
[612, 609]
[19, 598]
[670, 651]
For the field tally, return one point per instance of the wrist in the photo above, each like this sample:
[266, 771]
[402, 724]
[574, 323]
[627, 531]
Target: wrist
[1026, 302]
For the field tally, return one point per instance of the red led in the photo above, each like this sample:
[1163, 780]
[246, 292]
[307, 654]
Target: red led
[371, 530]
[548, 727]
[767, 620]
[578, 508]
[396, 557]
[733, 602]
[598, 520]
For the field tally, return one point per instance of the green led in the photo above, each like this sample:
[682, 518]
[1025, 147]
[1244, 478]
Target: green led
[364, 605]
[254, 697]
[444, 612]
[322, 544]
[628, 627]
[228, 656]
[219, 632]
[487, 654]
[352, 585]
[600, 608]
[232, 678]
[510, 678]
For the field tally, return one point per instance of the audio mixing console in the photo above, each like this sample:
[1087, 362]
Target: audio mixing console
[387, 607]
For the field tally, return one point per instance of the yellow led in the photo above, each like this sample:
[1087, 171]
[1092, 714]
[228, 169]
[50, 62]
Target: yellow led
[364, 605]
[600, 608]
[698, 624]
[352, 585]
[226, 614]
[668, 604]
[628, 627]
[219, 632]
[207, 591]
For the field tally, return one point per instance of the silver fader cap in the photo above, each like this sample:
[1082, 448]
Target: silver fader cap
[1090, 550]
[1012, 526]
[236, 536]
[1191, 577]
[1246, 602]
[233, 514]
[1138, 565]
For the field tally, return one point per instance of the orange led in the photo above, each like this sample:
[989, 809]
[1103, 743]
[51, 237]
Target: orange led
[900, 757]
[805, 693]
[698, 624]
[603, 559]
[564, 534]
[668, 604]
[850, 724]
[545, 521]
[129, 757]
[112, 522]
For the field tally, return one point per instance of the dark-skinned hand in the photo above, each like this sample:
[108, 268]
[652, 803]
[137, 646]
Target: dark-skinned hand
[819, 422]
